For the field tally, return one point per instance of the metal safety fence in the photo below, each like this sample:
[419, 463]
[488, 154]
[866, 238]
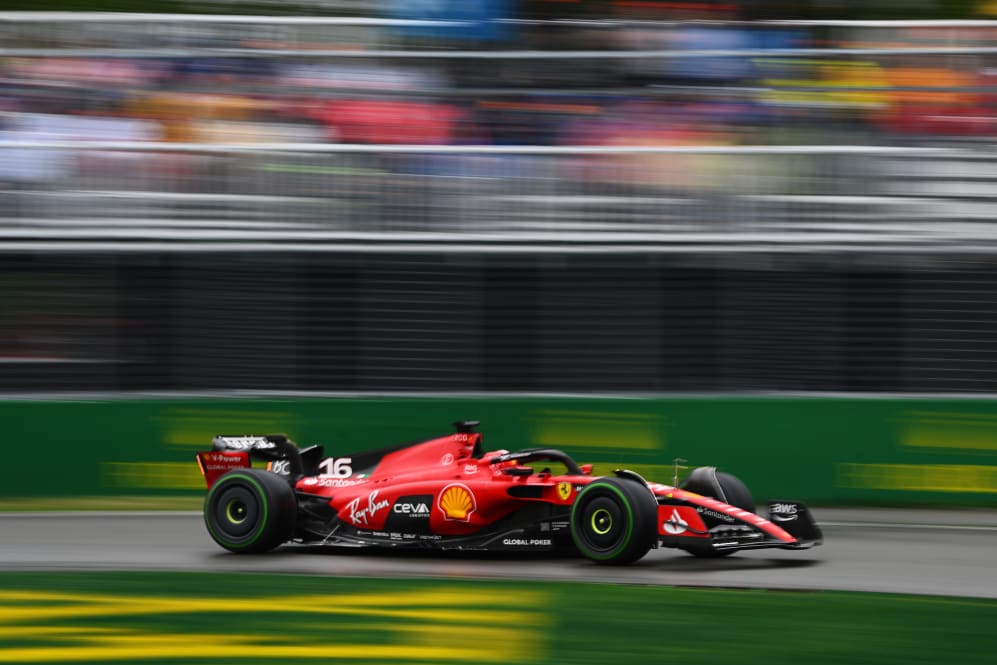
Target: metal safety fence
[459, 321]
[180, 197]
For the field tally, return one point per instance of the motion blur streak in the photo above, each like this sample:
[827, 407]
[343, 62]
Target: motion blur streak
[416, 623]
[686, 197]
[952, 478]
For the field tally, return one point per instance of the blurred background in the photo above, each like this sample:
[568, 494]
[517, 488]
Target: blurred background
[757, 234]
[500, 196]
[613, 197]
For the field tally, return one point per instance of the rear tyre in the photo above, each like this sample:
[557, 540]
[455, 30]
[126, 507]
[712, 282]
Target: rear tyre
[732, 492]
[250, 510]
[614, 521]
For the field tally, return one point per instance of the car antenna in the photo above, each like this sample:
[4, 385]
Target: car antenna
[678, 461]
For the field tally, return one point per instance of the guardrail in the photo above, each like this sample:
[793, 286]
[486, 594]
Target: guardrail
[342, 197]
[147, 35]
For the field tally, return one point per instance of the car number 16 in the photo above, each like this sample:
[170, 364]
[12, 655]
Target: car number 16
[338, 468]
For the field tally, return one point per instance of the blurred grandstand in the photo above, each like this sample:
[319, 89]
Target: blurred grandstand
[486, 202]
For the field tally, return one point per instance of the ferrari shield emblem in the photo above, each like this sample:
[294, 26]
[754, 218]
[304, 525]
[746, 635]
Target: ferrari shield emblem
[564, 491]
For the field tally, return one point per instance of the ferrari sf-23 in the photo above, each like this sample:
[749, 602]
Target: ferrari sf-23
[448, 493]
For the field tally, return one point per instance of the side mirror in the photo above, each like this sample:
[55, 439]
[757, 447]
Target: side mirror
[518, 471]
[587, 469]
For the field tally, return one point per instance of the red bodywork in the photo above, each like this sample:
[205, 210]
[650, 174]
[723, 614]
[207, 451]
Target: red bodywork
[215, 463]
[464, 493]
[467, 493]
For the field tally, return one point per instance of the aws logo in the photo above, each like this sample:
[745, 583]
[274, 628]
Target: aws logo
[457, 503]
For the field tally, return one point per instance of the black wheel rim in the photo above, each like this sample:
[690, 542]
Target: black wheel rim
[602, 524]
[235, 512]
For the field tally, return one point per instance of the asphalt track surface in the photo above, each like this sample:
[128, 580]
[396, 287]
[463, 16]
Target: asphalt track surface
[934, 552]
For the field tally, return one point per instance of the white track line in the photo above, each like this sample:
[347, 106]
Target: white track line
[904, 525]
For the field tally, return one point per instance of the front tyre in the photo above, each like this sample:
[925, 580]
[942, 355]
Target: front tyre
[250, 510]
[727, 488]
[614, 521]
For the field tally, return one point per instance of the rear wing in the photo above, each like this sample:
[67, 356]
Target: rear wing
[237, 451]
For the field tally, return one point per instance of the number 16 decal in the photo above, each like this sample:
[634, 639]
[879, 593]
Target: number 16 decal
[338, 468]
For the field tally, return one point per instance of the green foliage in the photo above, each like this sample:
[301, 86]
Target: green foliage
[266, 618]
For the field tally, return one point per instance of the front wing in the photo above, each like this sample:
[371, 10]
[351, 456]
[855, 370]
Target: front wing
[700, 524]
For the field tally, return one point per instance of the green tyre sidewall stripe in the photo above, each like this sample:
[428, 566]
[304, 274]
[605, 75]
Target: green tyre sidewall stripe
[262, 497]
[624, 542]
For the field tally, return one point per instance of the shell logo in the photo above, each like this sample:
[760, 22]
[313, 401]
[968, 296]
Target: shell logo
[457, 503]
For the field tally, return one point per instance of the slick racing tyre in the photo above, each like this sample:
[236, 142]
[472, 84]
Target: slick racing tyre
[614, 521]
[250, 510]
[731, 491]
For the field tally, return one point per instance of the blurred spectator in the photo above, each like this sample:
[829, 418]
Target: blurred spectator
[937, 101]
[643, 100]
[389, 121]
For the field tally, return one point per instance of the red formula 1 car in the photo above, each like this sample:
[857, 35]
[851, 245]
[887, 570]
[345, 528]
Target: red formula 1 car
[448, 493]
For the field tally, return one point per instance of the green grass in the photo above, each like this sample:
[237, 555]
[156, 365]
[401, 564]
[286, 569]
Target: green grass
[158, 618]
